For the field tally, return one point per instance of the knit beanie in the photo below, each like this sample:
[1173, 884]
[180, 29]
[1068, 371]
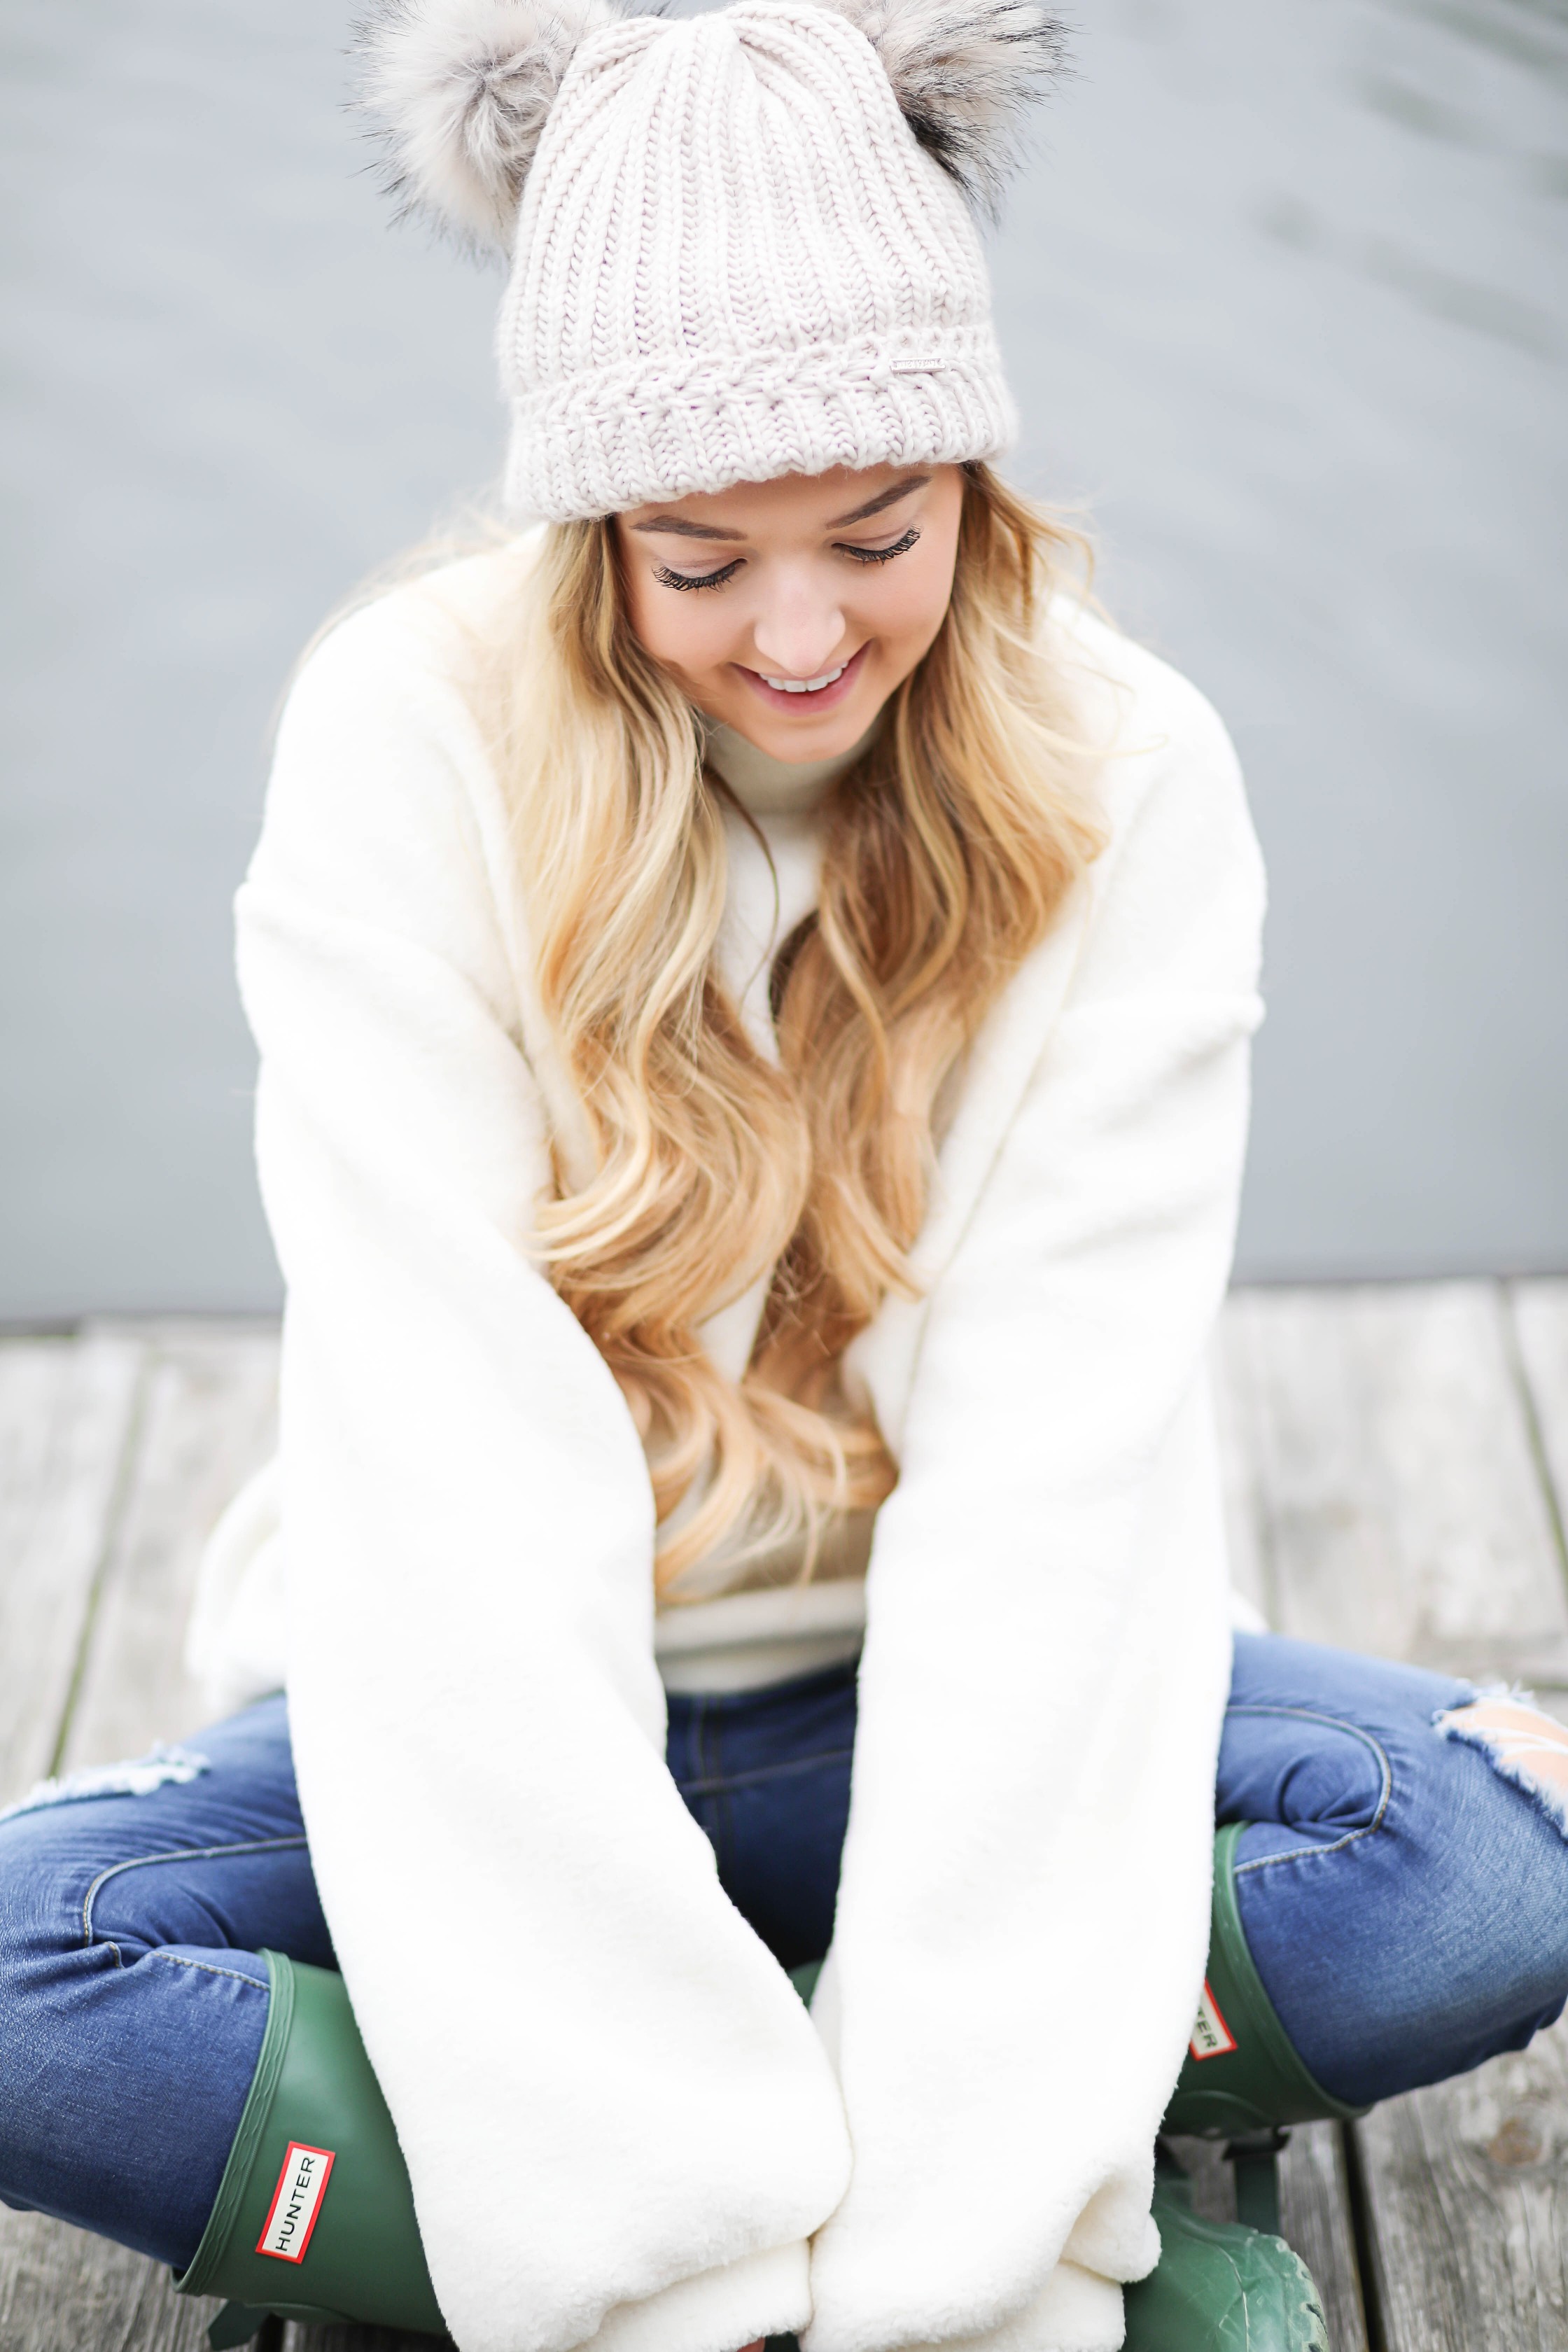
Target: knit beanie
[742, 244]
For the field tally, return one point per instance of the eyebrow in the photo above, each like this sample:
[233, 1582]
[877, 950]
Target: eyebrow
[682, 528]
[885, 499]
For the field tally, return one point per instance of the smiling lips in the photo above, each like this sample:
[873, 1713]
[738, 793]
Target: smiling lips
[806, 685]
[818, 693]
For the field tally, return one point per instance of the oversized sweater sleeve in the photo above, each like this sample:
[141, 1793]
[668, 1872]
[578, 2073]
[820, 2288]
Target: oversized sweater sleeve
[1023, 1906]
[619, 2124]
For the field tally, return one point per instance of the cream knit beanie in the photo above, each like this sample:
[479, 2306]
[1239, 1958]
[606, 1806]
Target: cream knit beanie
[741, 243]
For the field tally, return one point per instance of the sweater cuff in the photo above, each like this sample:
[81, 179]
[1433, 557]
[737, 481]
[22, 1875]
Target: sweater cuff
[1075, 2311]
[717, 2311]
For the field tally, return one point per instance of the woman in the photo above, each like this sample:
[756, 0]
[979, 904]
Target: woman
[754, 986]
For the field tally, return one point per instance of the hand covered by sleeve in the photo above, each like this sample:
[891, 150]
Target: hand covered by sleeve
[1023, 1909]
[619, 2124]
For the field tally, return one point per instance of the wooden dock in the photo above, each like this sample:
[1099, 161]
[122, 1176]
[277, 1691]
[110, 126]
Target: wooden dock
[1397, 1461]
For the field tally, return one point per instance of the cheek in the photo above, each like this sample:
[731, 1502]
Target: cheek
[910, 596]
[689, 633]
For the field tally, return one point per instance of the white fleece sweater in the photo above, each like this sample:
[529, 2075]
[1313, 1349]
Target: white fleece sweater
[622, 2127]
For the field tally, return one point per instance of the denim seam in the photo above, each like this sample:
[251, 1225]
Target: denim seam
[175, 1853]
[1336, 1723]
[715, 1784]
[178, 1960]
[707, 1749]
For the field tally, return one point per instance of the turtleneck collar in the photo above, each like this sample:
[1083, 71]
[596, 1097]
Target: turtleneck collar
[768, 787]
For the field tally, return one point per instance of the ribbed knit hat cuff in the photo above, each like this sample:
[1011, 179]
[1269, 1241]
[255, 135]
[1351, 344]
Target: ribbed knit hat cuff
[599, 445]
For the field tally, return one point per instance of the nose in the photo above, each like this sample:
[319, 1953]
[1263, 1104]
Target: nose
[801, 633]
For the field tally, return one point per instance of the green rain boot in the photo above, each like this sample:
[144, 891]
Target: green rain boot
[1232, 2286]
[1241, 2075]
[314, 2216]
[1219, 2286]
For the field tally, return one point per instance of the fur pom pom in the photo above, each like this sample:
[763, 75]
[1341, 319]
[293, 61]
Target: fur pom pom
[965, 73]
[460, 91]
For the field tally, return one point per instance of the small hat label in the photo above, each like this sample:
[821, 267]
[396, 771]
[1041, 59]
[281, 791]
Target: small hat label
[1212, 2037]
[296, 2202]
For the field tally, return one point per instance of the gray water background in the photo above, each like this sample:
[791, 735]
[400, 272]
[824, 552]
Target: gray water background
[1284, 301]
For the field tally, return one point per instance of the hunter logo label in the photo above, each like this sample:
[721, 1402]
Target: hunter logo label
[1212, 2037]
[296, 2201]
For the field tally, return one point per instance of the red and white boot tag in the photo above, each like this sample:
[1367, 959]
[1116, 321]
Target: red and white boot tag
[296, 2202]
[1212, 2037]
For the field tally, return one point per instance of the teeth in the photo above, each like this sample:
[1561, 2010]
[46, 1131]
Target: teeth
[804, 685]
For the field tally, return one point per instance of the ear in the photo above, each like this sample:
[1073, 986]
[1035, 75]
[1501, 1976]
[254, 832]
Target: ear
[965, 73]
[460, 91]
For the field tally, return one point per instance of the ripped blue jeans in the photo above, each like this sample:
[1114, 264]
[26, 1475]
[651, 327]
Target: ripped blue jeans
[1406, 1901]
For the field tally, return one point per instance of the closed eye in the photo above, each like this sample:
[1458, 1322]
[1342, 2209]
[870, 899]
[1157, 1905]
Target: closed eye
[698, 579]
[883, 554]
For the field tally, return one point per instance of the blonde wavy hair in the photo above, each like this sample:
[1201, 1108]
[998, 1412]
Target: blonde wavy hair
[948, 848]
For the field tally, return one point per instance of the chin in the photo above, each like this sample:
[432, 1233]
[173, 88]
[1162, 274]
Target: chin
[807, 742]
[807, 737]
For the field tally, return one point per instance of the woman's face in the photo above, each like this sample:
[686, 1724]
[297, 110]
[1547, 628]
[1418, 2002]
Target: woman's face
[790, 610]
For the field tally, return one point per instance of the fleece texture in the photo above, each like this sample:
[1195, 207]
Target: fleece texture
[622, 2127]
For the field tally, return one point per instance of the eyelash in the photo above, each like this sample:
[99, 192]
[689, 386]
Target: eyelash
[726, 572]
[698, 579]
[884, 554]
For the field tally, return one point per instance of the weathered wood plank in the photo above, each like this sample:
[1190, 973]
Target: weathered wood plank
[67, 1410]
[1244, 1511]
[1467, 2184]
[1540, 1324]
[1399, 1506]
[208, 1418]
[62, 2291]
[203, 1407]
[1315, 2218]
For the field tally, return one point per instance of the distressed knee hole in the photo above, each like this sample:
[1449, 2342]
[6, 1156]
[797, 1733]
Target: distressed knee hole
[1528, 1747]
[138, 1777]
